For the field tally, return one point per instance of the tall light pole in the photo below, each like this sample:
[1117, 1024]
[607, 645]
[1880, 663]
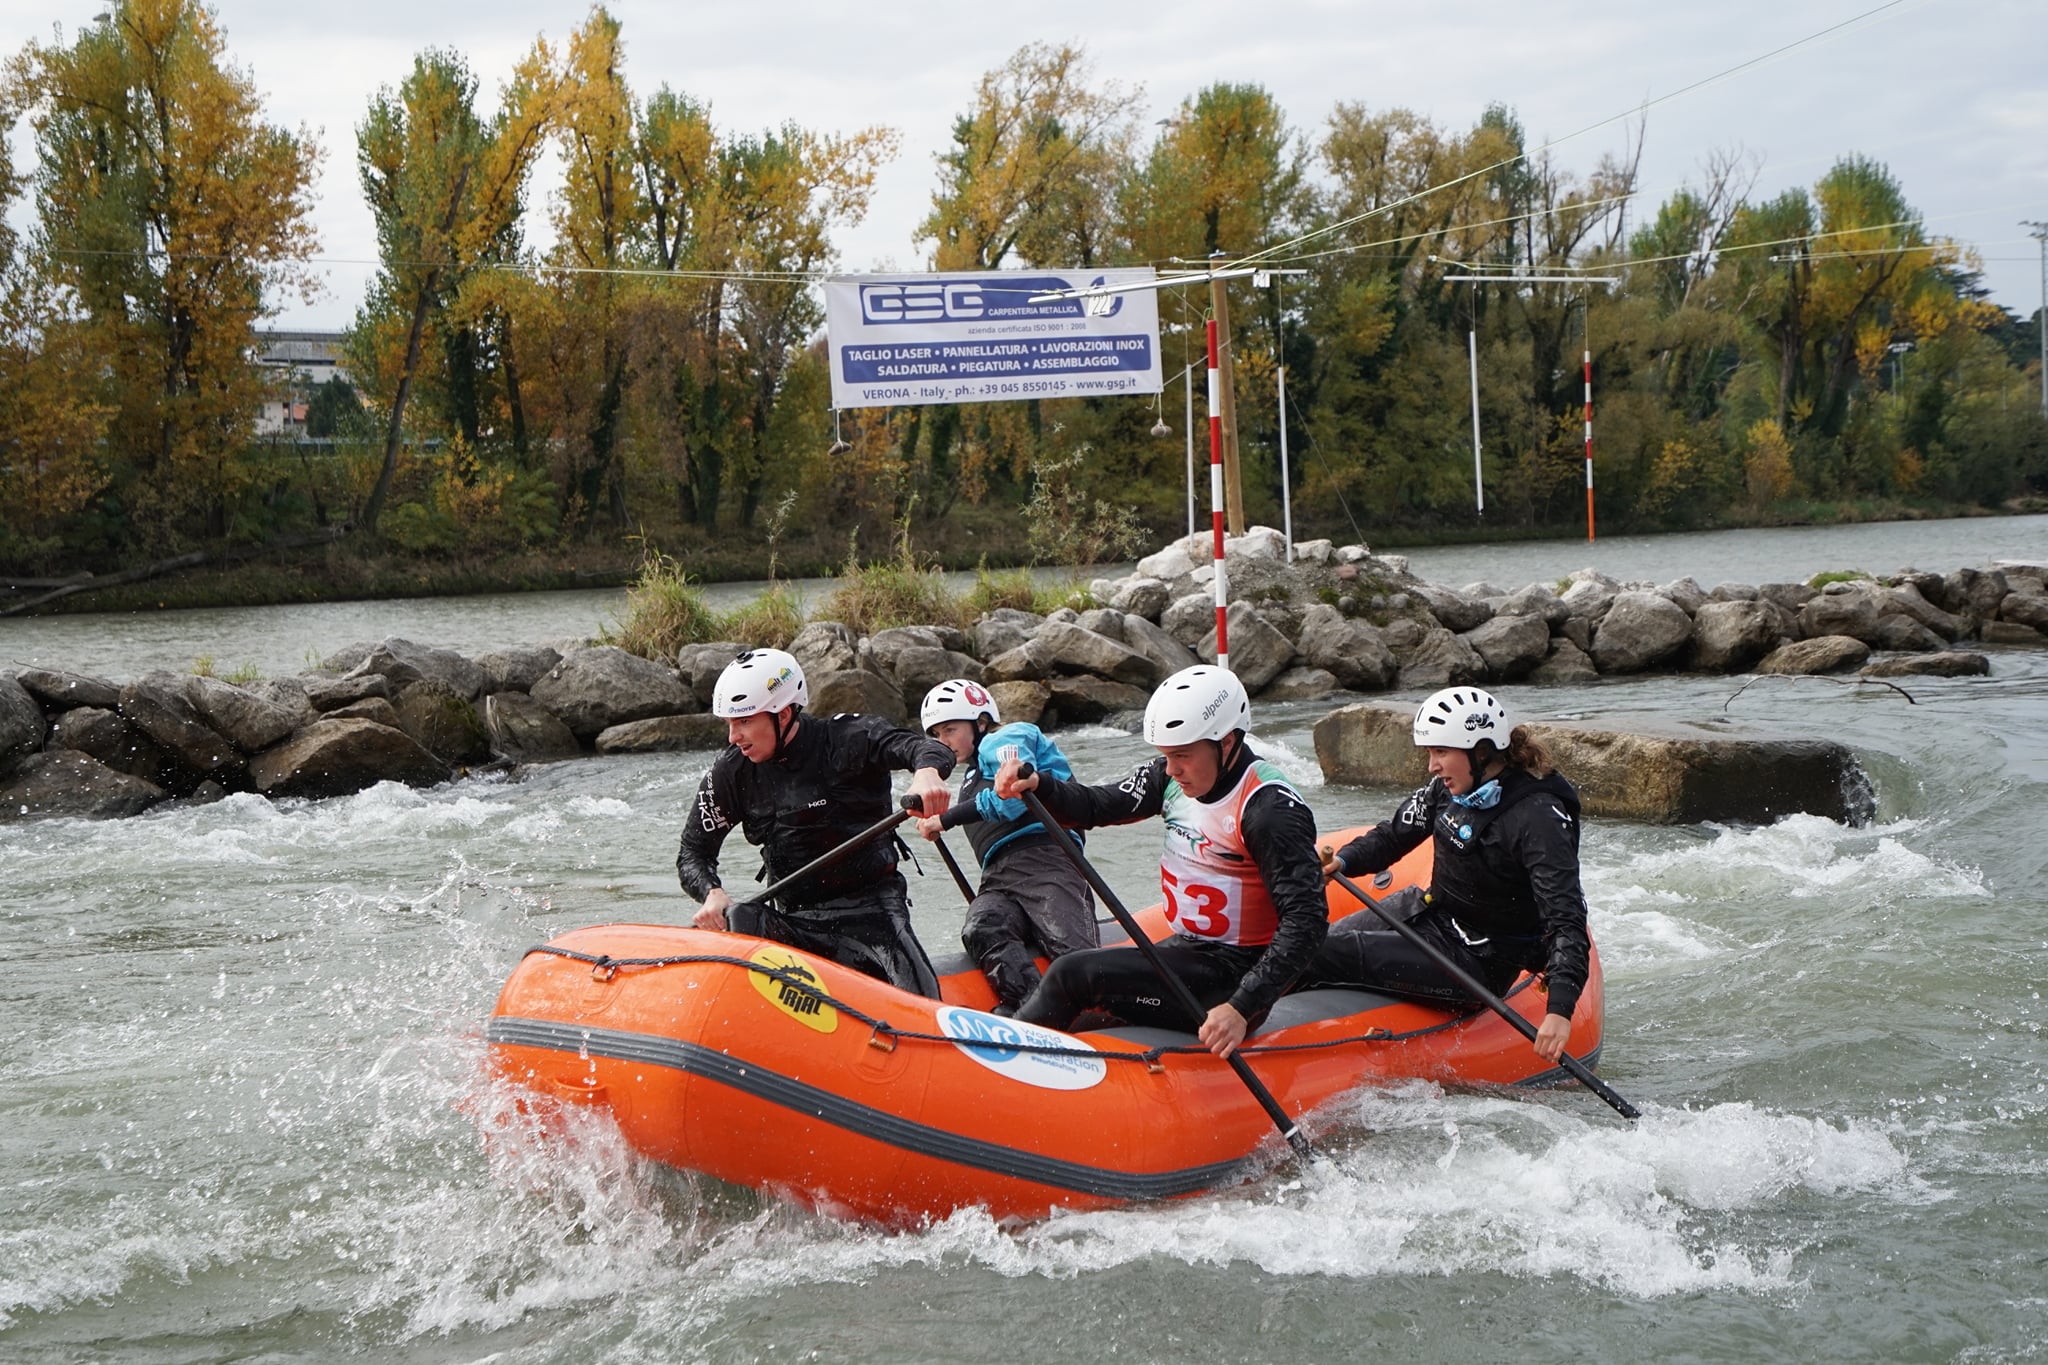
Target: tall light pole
[2040, 234]
[1260, 281]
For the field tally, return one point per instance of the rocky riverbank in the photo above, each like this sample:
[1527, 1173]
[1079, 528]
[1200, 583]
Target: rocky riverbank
[1336, 620]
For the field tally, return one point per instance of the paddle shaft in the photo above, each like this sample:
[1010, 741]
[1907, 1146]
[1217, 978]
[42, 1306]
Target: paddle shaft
[1182, 996]
[833, 855]
[1578, 1069]
[967, 891]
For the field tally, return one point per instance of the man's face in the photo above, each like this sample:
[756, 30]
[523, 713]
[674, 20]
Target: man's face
[957, 735]
[1454, 766]
[754, 736]
[1194, 766]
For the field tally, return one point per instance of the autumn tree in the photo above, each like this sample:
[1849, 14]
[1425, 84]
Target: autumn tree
[173, 214]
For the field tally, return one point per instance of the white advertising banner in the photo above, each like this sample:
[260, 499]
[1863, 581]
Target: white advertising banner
[976, 337]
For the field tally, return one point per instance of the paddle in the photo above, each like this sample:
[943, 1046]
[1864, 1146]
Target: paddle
[1182, 996]
[967, 891]
[1577, 1068]
[833, 855]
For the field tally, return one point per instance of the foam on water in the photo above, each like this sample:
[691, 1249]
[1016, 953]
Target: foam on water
[1801, 856]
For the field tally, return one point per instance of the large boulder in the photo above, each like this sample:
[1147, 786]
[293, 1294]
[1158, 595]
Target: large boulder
[885, 647]
[1072, 649]
[1300, 684]
[1587, 599]
[68, 782]
[664, 735]
[331, 694]
[858, 691]
[1028, 662]
[1906, 635]
[1512, 646]
[1079, 698]
[517, 669]
[1001, 630]
[1439, 659]
[1826, 654]
[60, 691]
[1790, 596]
[699, 666]
[1666, 778]
[335, 757]
[1142, 596]
[1906, 599]
[918, 670]
[1537, 599]
[2010, 633]
[1564, 663]
[1171, 564]
[597, 688]
[2026, 609]
[1104, 621]
[1349, 650]
[1021, 701]
[1457, 611]
[288, 695]
[1730, 635]
[1258, 653]
[825, 647]
[376, 709]
[404, 662]
[1188, 618]
[1640, 629]
[21, 721]
[1947, 663]
[1685, 593]
[247, 721]
[1973, 593]
[158, 704]
[1852, 611]
[444, 724]
[1168, 655]
[523, 730]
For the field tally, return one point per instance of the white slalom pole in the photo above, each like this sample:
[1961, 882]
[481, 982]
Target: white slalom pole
[1216, 499]
[1478, 487]
[1589, 444]
[1286, 491]
[1187, 383]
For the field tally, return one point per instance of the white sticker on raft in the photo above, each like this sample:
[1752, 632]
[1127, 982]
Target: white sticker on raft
[993, 1041]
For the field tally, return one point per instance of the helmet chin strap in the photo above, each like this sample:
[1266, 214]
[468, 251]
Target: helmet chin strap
[782, 735]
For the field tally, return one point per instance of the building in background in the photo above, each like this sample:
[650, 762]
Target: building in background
[296, 363]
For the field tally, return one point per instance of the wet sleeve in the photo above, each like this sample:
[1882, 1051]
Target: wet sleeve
[711, 817]
[1380, 847]
[1077, 805]
[904, 750]
[1280, 834]
[1547, 841]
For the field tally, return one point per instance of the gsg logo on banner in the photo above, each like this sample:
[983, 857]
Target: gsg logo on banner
[989, 336]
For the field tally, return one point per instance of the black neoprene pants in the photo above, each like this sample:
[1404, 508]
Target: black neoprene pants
[869, 932]
[1121, 982]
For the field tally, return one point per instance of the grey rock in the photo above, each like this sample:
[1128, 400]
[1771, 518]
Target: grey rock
[1314, 552]
[699, 666]
[1258, 653]
[1107, 622]
[1844, 613]
[21, 721]
[1021, 701]
[244, 719]
[345, 659]
[858, 691]
[1824, 654]
[1440, 659]
[288, 695]
[1731, 634]
[1168, 655]
[1974, 593]
[919, 670]
[2026, 609]
[60, 691]
[1300, 684]
[885, 647]
[1174, 562]
[1537, 599]
[1906, 635]
[158, 705]
[1349, 650]
[1080, 698]
[1640, 629]
[443, 723]
[1187, 619]
[519, 668]
[2010, 633]
[67, 782]
[1907, 600]
[1688, 594]
[375, 709]
[1065, 615]
[1578, 630]
[1564, 663]
[1028, 662]
[1734, 592]
[595, 689]
[524, 731]
[1588, 600]
[664, 735]
[1070, 649]
[336, 757]
[108, 737]
[404, 662]
[331, 694]
[1455, 610]
[1947, 663]
[825, 647]
[1790, 596]
[1512, 646]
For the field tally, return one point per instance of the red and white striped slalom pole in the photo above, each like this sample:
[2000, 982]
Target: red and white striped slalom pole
[1216, 499]
[1589, 445]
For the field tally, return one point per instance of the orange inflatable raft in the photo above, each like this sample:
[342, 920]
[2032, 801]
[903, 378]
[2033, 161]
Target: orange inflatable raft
[768, 1067]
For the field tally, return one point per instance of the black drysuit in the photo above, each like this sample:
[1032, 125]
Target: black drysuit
[830, 782]
[1504, 896]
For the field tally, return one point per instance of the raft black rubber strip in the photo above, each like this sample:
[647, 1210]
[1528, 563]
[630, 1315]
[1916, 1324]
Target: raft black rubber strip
[762, 1083]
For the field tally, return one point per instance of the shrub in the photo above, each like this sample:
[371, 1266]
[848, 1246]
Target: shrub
[770, 621]
[1821, 580]
[664, 612]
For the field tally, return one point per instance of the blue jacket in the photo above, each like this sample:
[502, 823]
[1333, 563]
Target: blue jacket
[992, 823]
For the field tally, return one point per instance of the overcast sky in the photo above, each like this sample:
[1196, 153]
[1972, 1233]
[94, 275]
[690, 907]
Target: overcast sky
[1950, 94]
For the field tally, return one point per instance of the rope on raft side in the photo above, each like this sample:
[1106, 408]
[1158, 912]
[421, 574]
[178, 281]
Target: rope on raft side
[605, 963]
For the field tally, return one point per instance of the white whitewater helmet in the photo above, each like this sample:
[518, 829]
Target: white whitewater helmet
[957, 699]
[1459, 717]
[1203, 702]
[757, 681]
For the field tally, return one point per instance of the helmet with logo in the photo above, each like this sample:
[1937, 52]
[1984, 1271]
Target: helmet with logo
[1203, 702]
[1460, 717]
[757, 681]
[957, 699]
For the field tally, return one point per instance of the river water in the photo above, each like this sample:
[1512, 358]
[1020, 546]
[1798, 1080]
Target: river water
[241, 1095]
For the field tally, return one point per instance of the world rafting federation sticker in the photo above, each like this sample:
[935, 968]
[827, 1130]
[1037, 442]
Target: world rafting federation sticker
[995, 1042]
[806, 1008]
